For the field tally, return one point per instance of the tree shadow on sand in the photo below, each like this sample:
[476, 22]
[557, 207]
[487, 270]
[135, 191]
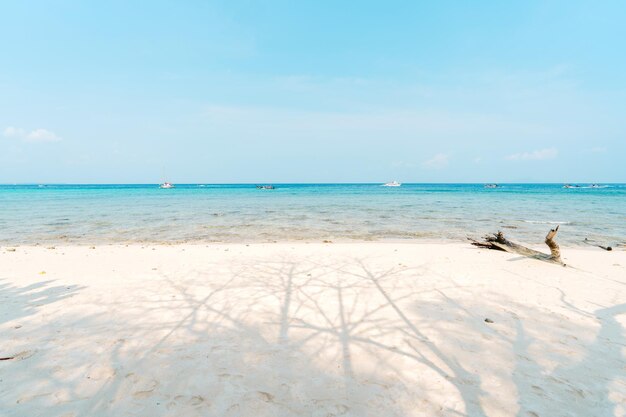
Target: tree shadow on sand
[18, 302]
[306, 336]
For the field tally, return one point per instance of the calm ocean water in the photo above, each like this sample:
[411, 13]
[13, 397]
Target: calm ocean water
[32, 214]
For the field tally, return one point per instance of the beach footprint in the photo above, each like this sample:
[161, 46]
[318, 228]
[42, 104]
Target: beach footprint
[100, 372]
[188, 401]
[141, 387]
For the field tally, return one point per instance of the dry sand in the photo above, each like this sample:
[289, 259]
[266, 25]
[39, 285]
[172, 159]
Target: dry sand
[371, 329]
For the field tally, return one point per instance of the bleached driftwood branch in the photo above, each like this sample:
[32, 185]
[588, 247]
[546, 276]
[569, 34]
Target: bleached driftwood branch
[497, 241]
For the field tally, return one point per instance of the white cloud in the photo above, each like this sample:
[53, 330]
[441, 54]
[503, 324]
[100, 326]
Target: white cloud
[42, 135]
[436, 162]
[598, 149]
[548, 153]
[37, 135]
[13, 132]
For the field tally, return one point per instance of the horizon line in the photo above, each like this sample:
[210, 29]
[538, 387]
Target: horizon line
[310, 183]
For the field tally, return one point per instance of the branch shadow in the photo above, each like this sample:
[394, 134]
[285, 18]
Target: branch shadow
[297, 335]
[19, 302]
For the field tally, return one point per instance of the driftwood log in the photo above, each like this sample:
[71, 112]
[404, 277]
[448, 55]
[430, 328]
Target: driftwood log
[497, 241]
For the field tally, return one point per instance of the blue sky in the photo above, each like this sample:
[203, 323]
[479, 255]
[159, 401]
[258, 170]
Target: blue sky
[316, 91]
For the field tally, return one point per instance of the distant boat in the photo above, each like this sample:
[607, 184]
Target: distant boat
[166, 185]
[392, 184]
[265, 187]
[571, 186]
[491, 186]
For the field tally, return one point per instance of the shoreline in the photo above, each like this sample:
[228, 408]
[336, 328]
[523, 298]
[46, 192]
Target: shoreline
[350, 242]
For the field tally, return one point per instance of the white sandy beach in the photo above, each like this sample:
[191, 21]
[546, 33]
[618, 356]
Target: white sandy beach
[364, 329]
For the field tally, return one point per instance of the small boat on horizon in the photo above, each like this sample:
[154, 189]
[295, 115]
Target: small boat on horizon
[265, 187]
[392, 184]
[166, 185]
[492, 186]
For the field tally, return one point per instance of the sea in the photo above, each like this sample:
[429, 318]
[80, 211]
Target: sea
[45, 214]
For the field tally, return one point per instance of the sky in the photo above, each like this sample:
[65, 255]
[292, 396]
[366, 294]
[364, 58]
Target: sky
[312, 91]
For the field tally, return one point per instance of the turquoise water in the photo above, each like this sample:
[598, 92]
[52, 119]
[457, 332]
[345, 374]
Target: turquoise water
[31, 214]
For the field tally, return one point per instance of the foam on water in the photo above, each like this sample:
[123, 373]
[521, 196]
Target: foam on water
[546, 222]
[306, 212]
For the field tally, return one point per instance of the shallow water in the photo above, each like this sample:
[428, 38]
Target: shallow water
[32, 214]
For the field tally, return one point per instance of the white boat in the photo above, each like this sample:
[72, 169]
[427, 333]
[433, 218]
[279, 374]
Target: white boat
[166, 185]
[392, 184]
[491, 185]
